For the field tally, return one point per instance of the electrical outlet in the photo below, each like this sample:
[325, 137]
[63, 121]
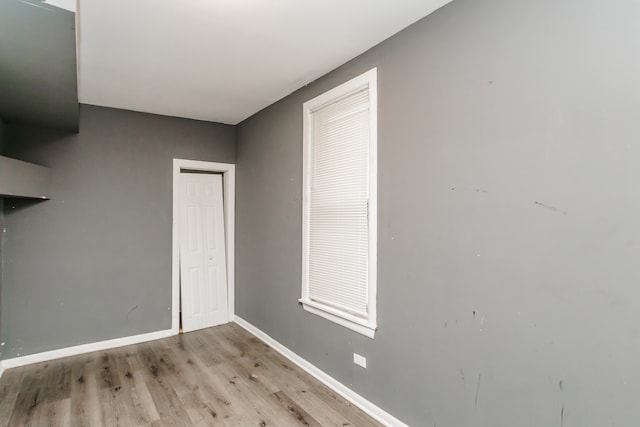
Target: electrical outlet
[360, 360]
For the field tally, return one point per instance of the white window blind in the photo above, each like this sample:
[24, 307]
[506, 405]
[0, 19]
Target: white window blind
[339, 227]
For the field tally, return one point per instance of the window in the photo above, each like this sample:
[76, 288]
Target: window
[339, 204]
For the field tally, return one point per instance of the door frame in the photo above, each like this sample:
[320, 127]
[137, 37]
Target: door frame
[228, 171]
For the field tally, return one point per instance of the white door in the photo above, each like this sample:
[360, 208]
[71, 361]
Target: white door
[203, 272]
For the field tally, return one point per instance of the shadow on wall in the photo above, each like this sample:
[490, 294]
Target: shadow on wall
[33, 142]
[13, 204]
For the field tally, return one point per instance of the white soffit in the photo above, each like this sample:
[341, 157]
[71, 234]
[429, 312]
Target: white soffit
[223, 60]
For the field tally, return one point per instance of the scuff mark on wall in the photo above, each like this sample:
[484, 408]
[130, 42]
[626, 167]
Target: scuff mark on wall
[478, 389]
[134, 308]
[551, 208]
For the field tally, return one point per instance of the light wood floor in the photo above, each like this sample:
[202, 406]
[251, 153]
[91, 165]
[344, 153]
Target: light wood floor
[220, 376]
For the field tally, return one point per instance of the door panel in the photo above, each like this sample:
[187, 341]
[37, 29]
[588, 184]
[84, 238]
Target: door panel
[203, 278]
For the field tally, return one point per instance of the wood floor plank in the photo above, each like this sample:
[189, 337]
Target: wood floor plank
[323, 412]
[196, 400]
[203, 348]
[166, 401]
[58, 382]
[27, 401]
[249, 368]
[136, 374]
[295, 410]
[54, 414]
[220, 376]
[222, 391]
[9, 390]
[85, 406]
[260, 398]
[343, 406]
[108, 378]
[244, 403]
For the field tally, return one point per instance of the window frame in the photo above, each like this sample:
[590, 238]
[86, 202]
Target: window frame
[366, 326]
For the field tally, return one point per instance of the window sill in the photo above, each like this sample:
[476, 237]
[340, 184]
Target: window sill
[348, 321]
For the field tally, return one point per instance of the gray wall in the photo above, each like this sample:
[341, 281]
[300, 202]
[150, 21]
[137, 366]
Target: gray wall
[509, 219]
[94, 262]
[1, 225]
[39, 84]
[1, 137]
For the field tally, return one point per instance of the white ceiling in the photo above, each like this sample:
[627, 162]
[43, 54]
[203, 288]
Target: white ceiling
[223, 60]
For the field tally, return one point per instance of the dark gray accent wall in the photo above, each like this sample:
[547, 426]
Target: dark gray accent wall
[509, 219]
[94, 262]
[1, 137]
[1, 226]
[38, 82]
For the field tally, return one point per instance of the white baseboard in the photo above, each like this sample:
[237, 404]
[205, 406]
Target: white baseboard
[374, 411]
[84, 348]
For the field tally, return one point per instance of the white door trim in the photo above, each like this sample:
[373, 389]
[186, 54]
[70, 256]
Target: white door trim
[229, 187]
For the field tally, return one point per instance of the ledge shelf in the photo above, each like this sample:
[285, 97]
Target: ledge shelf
[22, 179]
